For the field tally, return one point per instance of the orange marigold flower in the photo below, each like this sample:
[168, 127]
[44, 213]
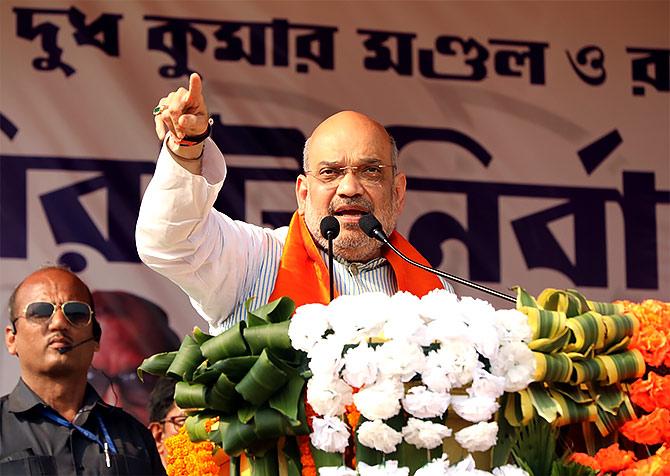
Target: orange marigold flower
[353, 416]
[656, 465]
[651, 393]
[650, 429]
[585, 460]
[614, 459]
[653, 336]
[186, 458]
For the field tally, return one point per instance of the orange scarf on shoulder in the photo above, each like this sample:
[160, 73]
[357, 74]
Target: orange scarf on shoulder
[303, 276]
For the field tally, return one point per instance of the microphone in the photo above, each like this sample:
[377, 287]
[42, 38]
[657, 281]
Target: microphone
[69, 348]
[330, 228]
[371, 227]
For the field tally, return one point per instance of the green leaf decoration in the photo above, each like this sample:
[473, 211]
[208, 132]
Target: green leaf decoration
[323, 458]
[199, 336]
[288, 399]
[186, 361]
[523, 299]
[535, 447]
[238, 436]
[157, 364]
[262, 380]
[195, 426]
[581, 343]
[276, 311]
[236, 368]
[228, 344]
[222, 396]
[562, 468]
[190, 395]
[271, 424]
[270, 336]
[245, 413]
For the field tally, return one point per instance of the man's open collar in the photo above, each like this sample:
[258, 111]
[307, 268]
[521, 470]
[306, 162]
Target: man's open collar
[23, 399]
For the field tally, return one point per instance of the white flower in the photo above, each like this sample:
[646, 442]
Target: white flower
[404, 321]
[485, 384]
[423, 403]
[512, 326]
[336, 471]
[400, 358]
[325, 358]
[390, 468]
[479, 437]
[328, 396]
[437, 467]
[466, 467]
[329, 434]
[515, 362]
[425, 434]
[378, 435]
[476, 309]
[474, 409]
[452, 365]
[308, 325]
[356, 318]
[381, 400]
[509, 470]
[360, 366]
[439, 304]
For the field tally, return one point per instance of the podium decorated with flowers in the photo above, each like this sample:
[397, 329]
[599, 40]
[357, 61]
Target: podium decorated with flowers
[372, 384]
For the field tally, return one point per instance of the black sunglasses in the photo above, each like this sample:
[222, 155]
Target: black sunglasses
[77, 313]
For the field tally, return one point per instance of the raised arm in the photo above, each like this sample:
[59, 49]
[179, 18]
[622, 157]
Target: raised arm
[179, 234]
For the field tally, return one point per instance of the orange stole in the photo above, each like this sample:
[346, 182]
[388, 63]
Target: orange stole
[303, 276]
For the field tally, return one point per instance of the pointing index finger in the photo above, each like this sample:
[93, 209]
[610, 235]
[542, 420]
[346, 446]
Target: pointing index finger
[194, 86]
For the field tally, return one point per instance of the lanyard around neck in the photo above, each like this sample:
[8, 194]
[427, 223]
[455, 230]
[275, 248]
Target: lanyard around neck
[59, 420]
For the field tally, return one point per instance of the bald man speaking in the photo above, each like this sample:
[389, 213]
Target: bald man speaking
[350, 168]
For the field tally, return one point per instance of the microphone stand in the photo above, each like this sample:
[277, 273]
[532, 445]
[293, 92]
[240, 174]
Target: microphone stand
[451, 277]
[371, 227]
[331, 275]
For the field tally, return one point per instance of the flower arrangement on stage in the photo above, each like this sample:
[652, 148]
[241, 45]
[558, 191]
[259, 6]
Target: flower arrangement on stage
[368, 384]
[400, 363]
[650, 394]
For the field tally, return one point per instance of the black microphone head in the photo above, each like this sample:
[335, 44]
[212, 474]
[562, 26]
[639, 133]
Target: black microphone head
[330, 227]
[370, 225]
[63, 350]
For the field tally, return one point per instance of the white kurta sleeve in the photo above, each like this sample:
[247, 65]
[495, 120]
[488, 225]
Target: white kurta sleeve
[181, 236]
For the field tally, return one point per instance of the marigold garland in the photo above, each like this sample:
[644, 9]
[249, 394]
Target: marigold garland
[613, 458]
[654, 392]
[656, 465]
[186, 458]
[584, 460]
[610, 459]
[653, 337]
[306, 459]
[650, 429]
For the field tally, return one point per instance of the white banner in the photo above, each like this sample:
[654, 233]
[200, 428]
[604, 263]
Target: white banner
[535, 135]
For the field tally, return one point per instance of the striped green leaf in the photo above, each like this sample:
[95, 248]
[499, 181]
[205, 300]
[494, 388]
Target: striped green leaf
[186, 361]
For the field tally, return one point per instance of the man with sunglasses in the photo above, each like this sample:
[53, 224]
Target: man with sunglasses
[53, 422]
[350, 169]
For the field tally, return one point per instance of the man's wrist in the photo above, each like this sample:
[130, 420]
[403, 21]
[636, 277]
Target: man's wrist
[191, 152]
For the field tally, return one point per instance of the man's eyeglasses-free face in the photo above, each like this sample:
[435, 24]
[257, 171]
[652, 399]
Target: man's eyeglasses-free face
[77, 313]
[367, 174]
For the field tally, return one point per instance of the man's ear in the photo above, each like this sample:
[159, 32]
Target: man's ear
[156, 430]
[10, 340]
[400, 187]
[301, 193]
